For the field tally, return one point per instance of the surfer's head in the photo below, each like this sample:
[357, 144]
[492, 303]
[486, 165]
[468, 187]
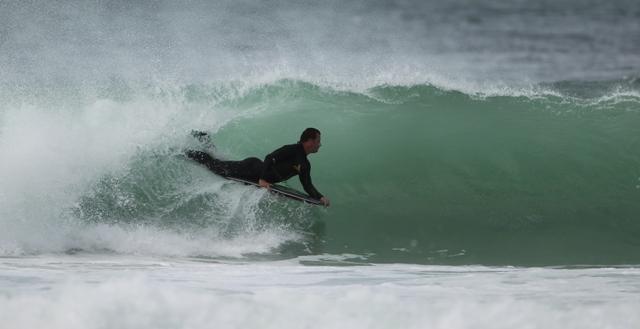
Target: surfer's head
[310, 140]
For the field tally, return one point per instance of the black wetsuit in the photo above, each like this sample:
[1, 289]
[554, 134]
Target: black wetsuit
[278, 166]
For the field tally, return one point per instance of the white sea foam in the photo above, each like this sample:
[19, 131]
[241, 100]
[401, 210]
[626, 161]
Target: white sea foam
[79, 292]
[53, 153]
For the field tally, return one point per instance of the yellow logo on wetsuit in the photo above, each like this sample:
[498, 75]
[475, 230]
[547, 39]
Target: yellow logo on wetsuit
[297, 168]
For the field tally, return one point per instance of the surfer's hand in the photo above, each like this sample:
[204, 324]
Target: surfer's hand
[264, 183]
[325, 201]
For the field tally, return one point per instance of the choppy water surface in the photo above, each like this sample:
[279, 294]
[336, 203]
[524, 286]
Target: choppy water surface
[481, 158]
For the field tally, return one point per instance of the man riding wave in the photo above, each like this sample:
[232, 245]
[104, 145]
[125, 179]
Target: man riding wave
[279, 165]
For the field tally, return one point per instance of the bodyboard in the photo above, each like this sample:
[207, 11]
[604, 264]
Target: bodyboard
[283, 191]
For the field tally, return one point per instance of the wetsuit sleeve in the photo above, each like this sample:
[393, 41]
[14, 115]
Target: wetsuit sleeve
[305, 179]
[285, 152]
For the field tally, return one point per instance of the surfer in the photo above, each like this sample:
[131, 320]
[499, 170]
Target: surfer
[279, 165]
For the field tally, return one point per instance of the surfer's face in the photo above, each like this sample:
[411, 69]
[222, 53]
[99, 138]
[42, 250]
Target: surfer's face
[314, 144]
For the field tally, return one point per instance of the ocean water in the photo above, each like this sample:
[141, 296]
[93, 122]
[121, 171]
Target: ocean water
[481, 158]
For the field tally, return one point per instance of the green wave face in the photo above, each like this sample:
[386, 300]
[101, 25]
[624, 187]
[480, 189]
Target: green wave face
[420, 174]
[417, 174]
[454, 132]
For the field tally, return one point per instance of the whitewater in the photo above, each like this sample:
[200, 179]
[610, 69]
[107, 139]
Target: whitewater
[481, 159]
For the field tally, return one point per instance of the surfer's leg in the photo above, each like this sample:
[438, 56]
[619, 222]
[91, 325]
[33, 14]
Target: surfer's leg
[203, 138]
[249, 169]
[217, 166]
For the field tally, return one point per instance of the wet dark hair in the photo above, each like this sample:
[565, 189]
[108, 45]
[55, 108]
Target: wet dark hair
[309, 133]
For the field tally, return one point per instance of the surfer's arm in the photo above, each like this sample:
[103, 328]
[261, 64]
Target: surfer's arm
[305, 179]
